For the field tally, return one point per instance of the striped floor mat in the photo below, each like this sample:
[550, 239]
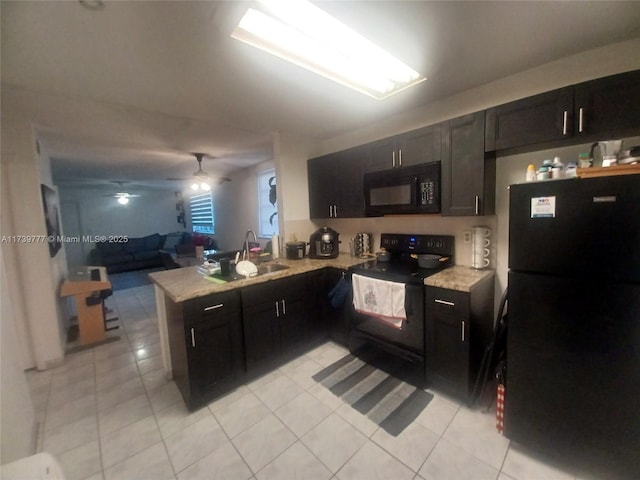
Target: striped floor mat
[383, 397]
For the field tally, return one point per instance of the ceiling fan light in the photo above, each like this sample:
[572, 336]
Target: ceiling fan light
[205, 186]
[195, 186]
[122, 200]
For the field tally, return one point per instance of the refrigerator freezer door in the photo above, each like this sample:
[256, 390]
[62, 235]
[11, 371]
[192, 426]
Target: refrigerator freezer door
[588, 228]
[573, 364]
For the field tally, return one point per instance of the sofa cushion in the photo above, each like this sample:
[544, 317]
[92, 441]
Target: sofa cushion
[146, 255]
[117, 258]
[173, 239]
[134, 245]
[110, 248]
[153, 242]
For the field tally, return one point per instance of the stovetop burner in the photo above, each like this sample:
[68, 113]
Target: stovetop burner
[403, 265]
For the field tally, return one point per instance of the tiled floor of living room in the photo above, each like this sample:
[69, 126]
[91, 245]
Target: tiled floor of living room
[108, 413]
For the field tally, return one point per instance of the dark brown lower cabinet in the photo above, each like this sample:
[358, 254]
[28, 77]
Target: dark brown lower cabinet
[207, 351]
[459, 327]
[274, 322]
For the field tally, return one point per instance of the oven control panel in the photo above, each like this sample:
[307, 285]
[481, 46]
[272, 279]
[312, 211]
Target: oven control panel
[403, 243]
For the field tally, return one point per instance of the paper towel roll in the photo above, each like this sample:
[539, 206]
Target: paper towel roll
[275, 246]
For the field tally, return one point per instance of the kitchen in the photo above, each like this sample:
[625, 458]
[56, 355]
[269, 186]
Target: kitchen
[293, 152]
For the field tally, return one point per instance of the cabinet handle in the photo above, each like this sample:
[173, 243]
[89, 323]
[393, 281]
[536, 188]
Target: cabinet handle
[193, 339]
[463, 330]
[444, 302]
[565, 118]
[393, 159]
[399, 157]
[284, 308]
[330, 211]
[277, 309]
[213, 307]
[335, 211]
[477, 206]
[580, 116]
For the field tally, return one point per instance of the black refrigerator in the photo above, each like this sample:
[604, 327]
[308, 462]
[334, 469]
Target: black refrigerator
[573, 343]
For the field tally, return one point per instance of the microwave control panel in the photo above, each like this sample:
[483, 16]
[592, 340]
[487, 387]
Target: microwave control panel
[427, 192]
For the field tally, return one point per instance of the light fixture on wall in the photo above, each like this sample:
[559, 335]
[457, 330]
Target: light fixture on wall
[307, 36]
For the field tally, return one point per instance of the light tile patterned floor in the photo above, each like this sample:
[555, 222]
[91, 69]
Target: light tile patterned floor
[108, 413]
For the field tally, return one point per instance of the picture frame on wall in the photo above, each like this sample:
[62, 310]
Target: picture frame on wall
[52, 219]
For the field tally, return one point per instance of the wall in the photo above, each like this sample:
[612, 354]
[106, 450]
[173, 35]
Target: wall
[154, 211]
[17, 417]
[596, 63]
[33, 273]
[236, 207]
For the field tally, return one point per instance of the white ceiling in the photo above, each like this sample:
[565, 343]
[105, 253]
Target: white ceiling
[126, 92]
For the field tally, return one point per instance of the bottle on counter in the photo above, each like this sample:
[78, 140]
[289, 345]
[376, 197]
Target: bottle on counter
[557, 168]
[544, 172]
[585, 160]
[530, 176]
[571, 170]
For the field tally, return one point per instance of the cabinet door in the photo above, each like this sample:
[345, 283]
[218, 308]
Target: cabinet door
[293, 325]
[261, 336]
[609, 107]
[382, 154]
[215, 353]
[420, 146]
[447, 314]
[348, 170]
[317, 297]
[538, 119]
[323, 189]
[464, 172]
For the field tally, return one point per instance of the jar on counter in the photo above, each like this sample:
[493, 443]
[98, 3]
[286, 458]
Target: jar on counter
[531, 173]
[571, 170]
[557, 168]
[585, 160]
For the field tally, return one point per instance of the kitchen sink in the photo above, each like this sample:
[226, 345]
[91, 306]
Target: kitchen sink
[270, 268]
[262, 270]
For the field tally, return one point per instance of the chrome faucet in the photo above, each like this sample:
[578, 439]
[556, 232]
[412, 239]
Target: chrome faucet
[246, 243]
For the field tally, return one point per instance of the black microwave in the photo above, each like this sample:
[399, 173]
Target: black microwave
[414, 189]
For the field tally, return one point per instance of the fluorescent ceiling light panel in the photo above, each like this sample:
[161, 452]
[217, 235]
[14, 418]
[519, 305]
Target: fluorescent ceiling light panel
[301, 33]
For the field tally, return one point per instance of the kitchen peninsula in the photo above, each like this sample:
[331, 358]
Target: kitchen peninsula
[215, 336]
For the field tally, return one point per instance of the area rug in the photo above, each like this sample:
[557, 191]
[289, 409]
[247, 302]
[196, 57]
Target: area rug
[378, 393]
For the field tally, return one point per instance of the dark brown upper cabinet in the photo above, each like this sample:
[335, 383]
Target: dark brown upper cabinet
[468, 175]
[596, 110]
[417, 146]
[608, 107]
[335, 184]
[533, 120]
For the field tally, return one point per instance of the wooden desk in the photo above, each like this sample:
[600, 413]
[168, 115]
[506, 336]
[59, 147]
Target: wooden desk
[90, 317]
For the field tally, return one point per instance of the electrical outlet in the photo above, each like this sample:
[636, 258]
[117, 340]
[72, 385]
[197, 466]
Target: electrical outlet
[466, 236]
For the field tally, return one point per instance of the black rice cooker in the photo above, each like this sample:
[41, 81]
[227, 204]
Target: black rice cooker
[324, 243]
[295, 250]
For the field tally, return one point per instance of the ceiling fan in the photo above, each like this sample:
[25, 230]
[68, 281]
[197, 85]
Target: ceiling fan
[201, 179]
[122, 197]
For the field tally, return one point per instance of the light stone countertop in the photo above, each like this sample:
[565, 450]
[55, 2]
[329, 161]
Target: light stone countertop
[182, 284]
[458, 277]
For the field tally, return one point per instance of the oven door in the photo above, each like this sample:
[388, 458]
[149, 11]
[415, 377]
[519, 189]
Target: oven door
[410, 336]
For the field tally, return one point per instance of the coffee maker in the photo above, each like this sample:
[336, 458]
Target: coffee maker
[323, 243]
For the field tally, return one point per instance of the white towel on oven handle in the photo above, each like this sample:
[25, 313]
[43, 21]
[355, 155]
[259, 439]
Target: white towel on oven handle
[379, 298]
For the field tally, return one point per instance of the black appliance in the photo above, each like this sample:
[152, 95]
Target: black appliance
[295, 250]
[573, 343]
[407, 343]
[414, 189]
[324, 243]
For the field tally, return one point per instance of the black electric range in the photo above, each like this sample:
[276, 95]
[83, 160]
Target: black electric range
[403, 265]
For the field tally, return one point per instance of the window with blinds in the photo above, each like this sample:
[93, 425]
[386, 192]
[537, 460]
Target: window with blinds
[202, 218]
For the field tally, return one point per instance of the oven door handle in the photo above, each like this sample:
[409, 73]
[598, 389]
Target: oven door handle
[408, 306]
